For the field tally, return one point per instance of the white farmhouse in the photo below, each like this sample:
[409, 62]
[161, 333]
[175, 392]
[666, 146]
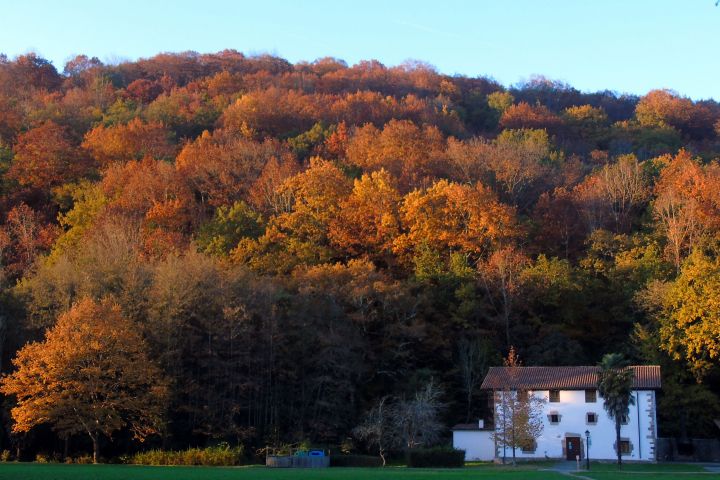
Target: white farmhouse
[572, 410]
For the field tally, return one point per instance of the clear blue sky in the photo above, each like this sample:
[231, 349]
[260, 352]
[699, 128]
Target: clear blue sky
[624, 45]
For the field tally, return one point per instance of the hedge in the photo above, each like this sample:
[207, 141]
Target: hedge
[436, 457]
[221, 455]
[355, 461]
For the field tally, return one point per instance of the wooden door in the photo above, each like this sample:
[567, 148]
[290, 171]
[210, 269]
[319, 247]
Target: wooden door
[572, 448]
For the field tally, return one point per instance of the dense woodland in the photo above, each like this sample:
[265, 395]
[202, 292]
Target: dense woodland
[280, 246]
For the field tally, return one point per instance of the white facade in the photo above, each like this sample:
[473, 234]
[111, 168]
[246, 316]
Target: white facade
[563, 439]
[478, 444]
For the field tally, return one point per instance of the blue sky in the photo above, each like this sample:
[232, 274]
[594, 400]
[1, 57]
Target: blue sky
[624, 45]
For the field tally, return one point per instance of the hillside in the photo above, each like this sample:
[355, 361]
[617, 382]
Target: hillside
[293, 242]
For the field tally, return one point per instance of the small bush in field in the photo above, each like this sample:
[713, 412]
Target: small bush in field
[84, 459]
[5, 456]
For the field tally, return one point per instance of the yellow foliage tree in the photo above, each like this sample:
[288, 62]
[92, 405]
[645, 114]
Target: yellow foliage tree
[689, 326]
[299, 235]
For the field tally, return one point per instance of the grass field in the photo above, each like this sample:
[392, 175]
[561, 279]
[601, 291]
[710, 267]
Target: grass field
[35, 471]
[668, 471]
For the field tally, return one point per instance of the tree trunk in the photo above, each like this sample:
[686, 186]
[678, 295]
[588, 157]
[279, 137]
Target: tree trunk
[382, 455]
[514, 444]
[617, 440]
[95, 447]
[506, 315]
[66, 448]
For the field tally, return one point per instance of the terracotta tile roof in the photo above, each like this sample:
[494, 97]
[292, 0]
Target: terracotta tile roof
[647, 377]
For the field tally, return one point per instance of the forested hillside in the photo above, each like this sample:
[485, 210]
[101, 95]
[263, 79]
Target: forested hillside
[280, 246]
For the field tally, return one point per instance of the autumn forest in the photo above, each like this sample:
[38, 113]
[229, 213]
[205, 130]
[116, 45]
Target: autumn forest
[256, 252]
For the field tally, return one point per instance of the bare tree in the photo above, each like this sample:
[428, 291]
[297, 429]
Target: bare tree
[416, 421]
[376, 428]
[624, 185]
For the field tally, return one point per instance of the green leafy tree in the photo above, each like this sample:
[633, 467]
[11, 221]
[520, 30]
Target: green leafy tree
[230, 224]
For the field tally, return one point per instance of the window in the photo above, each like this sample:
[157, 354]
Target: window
[625, 446]
[554, 396]
[590, 396]
[591, 418]
[530, 446]
[554, 418]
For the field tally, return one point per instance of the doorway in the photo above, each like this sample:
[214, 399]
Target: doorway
[572, 448]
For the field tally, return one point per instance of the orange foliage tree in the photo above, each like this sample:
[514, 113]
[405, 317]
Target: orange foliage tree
[133, 141]
[22, 238]
[45, 157]
[456, 217]
[266, 193]
[663, 107]
[524, 115]
[275, 112]
[91, 374]
[368, 221]
[153, 193]
[221, 166]
[686, 206]
[410, 153]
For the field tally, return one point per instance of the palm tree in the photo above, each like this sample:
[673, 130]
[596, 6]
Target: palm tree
[615, 386]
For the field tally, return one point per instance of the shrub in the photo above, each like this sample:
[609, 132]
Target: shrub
[5, 456]
[41, 458]
[220, 455]
[84, 459]
[436, 457]
[355, 461]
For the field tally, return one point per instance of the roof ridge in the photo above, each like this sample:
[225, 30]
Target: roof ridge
[564, 377]
[565, 366]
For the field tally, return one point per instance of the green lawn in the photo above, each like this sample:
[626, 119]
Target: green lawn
[644, 471]
[626, 475]
[35, 471]
[647, 467]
